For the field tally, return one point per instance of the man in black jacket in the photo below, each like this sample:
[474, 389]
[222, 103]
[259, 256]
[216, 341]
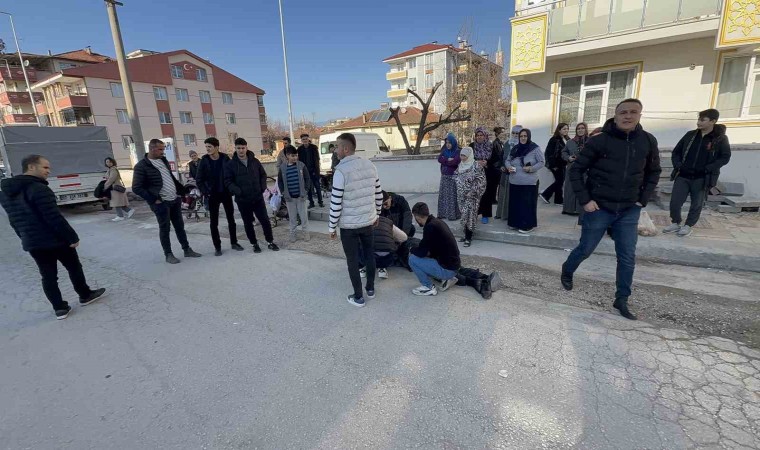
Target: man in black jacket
[436, 256]
[697, 159]
[44, 232]
[396, 208]
[308, 154]
[623, 168]
[210, 181]
[154, 182]
[246, 179]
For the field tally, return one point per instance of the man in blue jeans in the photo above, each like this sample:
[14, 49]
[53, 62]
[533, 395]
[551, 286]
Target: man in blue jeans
[623, 168]
[437, 255]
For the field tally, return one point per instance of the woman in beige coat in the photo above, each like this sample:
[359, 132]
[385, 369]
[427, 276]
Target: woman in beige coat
[119, 200]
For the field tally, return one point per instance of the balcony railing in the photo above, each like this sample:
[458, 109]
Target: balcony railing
[393, 93]
[15, 98]
[19, 118]
[395, 75]
[571, 20]
[15, 73]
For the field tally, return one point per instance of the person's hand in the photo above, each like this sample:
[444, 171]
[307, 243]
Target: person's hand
[573, 158]
[376, 221]
[74, 245]
[591, 207]
[528, 169]
[504, 170]
[158, 202]
[639, 204]
[451, 159]
[482, 163]
[333, 235]
[511, 170]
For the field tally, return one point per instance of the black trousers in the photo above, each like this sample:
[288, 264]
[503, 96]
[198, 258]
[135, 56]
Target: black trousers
[47, 261]
[352, 240]
[168, 214]
[224, 199]
[684, 188]
[258, 208]
[315, 185]
[556, 187]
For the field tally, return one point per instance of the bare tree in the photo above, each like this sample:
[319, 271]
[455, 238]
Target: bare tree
[452, 115]
[275, 130]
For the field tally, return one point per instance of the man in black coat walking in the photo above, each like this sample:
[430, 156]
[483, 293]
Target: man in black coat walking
[623, 168]
[44, 232]
[308, 154]
[154, 182]
[246, 179]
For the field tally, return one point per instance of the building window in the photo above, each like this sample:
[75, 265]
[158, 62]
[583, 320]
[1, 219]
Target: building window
[412, 63]
[205, 96]
[739, 88]
[428, 61]
[226, 98]
[68, 117]
[208, 118]
[592, 97]
[127, 141]
[165, 117]
[44, 120]
[185, 117]
[159, 93]
[177, 72]
[182, 95]
[413, 132]
[117, 90]
[189, 140]
[231, 118]
[260, 98]
[388, 130]
[200, 74]
[413, 83]
[122, 116]
[428, 81]
[65, 65]
[263, 119]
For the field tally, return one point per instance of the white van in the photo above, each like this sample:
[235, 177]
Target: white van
[368, 145]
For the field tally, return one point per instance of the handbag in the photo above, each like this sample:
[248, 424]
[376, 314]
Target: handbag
[119, 188]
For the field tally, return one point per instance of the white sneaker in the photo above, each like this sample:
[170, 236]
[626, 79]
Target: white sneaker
[672, 228]
[363, 273]
[117, 219]
[382, 274]
[130, 213]
[684, 231]
[425, 291]
[448, 283]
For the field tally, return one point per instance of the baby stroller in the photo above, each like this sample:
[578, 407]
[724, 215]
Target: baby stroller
[275, 205]
[193, 202]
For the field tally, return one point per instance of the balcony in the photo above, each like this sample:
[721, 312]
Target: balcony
[75, 117]
[16, 98]
[20, 119]
[394, 93]
[73, 101]
[396, 75]
[15, 73]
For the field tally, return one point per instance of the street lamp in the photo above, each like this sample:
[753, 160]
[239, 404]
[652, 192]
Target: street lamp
[23, 68]
[287, 78]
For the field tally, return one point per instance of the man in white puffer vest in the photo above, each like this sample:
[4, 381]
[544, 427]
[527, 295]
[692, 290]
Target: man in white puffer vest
[355, 205]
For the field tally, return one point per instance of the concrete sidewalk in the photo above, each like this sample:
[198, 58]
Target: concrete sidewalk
[719, 241]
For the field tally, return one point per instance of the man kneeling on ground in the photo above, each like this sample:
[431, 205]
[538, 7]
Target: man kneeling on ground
[437, 255]
[388, 239]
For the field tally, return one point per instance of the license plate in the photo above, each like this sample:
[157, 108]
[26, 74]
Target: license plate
[73, 196]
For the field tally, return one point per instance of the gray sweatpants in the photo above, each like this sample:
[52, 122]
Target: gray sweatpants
[682, 189]
[297, 207]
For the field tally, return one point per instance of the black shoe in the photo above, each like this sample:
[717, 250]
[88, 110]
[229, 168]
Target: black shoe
[321, 205]
[218, 252]
[355, 301]
[61, 314]
[171, 259]
[256, 248]
[189, 253]
[272, 246]
[567, 281]
[94, 295]
[311, 205]
[237, 247]
[621, 304]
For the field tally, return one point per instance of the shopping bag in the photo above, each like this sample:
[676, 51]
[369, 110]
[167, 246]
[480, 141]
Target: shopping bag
[275, 200]
[646, 225]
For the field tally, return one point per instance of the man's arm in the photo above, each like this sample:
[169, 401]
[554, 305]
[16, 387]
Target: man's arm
[586, 159]
[652, 172]
[398, 235]
[406, 217]
[336, 201]
[280, 180]
[139, 184]
[200, 177]
[262, 175]
[229, 178]
[378, 195]
[423, 249]
[44, 203]
[723, 155]
[317, 162]
[677, 156]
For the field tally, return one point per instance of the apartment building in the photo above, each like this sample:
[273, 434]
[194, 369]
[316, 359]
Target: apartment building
[16, 107]
[178, 95]
[380, 121]
[421, 67]
[574, 60]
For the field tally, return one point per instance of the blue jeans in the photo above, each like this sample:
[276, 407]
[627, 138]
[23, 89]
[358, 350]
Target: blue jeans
[624, 226]
[425, 268]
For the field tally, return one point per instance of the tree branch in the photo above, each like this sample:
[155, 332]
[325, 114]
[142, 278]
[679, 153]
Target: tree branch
[394, 114]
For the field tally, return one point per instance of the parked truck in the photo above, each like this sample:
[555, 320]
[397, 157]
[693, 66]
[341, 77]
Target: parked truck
[76, 156]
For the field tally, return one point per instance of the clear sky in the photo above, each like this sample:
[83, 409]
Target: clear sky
[335, 47]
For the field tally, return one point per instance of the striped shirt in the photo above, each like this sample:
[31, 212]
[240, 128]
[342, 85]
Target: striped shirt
[336, 199]
[294, 181]
[168, 189]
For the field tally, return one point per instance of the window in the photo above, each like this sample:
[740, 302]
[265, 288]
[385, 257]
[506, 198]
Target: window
[208, 118]
[592, 97]
[263, 119]
[739, 87]
[412, 63]
[413, 83]
[189, 140]
[260, 98]
[68, 117]
[164, 117]
[226, 98]
[65, 65]
[205, 96]
[117, 90]
[177, 72]
[122, 116]
[159, 93]
[388, 130]
[231, 118]
[413, 132]
[127, 141]
[200, 74]
[182, 95]
[428, 81]
[429, 61]
[382, 146]
[185, 117]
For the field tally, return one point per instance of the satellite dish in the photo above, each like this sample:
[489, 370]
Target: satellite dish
[26, 63]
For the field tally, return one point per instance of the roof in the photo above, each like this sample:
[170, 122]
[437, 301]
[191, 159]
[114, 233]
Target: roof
[426, 48]
[84, 55]
[409, 116]
[154, 69]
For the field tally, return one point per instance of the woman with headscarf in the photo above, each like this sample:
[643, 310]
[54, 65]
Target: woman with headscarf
[555, 164]
[489, 161]
[525, 160]
[570, 153]
[471, 184]
[448, 207]
[119, 199]
[503, 197]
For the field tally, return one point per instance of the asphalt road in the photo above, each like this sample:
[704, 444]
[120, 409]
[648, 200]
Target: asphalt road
[262, 351]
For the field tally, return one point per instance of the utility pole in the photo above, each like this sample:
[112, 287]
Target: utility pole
[287, 78]
[129, 96]
[23, 69]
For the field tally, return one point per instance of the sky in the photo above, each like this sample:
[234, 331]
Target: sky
[335, 47]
